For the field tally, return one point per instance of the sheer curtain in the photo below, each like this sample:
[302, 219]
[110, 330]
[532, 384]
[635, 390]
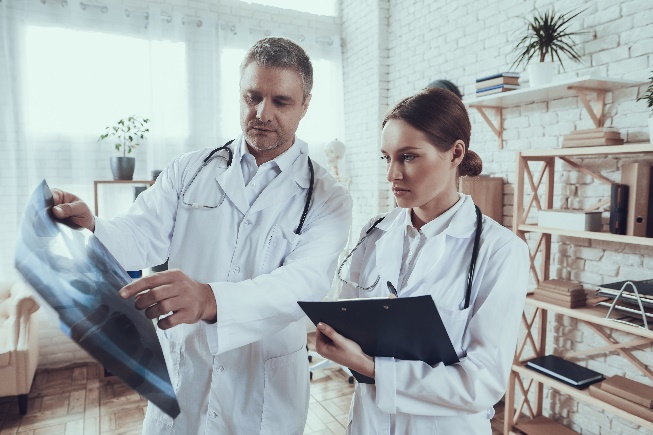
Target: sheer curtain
[69, 69]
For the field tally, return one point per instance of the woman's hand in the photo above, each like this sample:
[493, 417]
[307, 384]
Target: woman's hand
[343, 351]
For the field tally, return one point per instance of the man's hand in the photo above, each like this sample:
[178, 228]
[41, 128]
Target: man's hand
[343, 351]
[190, 301]
[72, 211]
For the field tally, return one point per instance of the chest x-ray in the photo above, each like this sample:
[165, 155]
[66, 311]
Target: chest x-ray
[78, 277]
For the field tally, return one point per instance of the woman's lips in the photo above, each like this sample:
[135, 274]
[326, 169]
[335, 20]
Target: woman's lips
[400, 192]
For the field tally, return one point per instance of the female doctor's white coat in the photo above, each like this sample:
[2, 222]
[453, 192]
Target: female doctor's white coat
[247, 373]
[411, 397]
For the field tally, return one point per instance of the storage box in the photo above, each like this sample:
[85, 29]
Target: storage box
[578, 220]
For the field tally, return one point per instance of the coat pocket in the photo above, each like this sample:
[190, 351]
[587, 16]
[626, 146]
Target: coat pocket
[278, 244]
[455, 322]
[285, 393]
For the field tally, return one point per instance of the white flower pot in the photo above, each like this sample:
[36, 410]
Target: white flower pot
[540, 73]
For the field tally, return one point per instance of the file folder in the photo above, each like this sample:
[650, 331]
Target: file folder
[403, 328]
[565, 371]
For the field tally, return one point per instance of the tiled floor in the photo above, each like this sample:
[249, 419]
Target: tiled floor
[77, 400]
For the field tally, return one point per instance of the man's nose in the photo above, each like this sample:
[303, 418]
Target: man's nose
[264, 111]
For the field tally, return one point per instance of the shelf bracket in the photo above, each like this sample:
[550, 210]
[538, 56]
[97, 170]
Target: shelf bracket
[496, 129]
[597, 114]
[584, 170]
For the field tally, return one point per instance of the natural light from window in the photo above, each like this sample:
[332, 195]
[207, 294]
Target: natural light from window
[318, 7]
[78, 82]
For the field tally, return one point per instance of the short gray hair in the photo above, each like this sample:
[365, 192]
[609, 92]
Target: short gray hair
[281, 53]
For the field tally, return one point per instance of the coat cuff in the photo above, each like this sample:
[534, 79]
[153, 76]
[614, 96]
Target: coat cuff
[212, 330]
[385, 378]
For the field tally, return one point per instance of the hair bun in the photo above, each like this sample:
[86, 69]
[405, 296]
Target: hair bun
[471, 165]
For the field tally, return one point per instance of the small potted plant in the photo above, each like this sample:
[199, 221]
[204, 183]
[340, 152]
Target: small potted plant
[547, 37]
[127, 134]
[648, 97]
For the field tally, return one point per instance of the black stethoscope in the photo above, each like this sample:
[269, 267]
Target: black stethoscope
[213, 154]
[470, 274]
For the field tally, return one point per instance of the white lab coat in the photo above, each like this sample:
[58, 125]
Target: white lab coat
[247, 373]
[411, 396]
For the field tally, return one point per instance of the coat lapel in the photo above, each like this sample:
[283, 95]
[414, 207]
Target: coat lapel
[231, 181]
[389, 251]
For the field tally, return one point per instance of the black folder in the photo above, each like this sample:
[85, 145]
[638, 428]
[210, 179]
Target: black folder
[403, 328]
[565, 371]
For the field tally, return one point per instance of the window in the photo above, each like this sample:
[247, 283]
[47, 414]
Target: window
[78, 82]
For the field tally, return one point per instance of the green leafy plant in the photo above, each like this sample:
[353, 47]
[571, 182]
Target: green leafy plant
[128, 132]
[548, 35]
[648, 96]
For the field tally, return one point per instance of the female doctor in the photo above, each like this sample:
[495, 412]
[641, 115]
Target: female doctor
[425, 247]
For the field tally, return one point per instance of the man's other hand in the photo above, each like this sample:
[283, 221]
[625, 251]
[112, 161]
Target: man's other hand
[172, 291]
[72, 211]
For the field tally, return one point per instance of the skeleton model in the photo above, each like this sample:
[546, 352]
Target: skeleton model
[334, 152]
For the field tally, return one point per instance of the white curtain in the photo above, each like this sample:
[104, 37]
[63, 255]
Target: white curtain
[69, 69]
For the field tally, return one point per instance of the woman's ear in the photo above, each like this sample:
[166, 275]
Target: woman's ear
[457, 152]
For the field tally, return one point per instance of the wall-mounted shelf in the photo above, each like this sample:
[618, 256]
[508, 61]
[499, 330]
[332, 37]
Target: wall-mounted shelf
[594, 235]
[577, 87]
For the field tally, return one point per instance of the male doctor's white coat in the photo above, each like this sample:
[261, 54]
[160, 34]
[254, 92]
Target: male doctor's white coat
[247, 373]
[411, 397]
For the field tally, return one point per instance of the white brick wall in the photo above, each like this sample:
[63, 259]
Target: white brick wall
[466, 39]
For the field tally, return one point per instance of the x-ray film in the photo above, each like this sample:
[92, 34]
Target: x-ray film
[78, 277]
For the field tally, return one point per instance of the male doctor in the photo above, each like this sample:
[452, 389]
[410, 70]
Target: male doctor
[242, 250]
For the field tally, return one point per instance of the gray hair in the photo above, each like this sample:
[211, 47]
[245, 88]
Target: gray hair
[281, 53]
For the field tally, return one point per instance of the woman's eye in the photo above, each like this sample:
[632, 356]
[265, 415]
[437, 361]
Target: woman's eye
[385, 158]
[408, 157]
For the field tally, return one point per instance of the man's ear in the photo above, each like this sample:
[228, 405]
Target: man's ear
[305, 104]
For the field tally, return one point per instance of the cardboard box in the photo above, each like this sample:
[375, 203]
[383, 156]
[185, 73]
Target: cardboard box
[578, 220]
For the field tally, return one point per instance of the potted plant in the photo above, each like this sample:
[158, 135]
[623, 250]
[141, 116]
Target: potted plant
[648, 97]
[547, 37]
[127, 134]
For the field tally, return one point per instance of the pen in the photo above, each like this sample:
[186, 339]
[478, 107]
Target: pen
[392, 289]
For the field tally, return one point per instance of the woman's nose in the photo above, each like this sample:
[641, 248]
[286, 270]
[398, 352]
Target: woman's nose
[393, 172]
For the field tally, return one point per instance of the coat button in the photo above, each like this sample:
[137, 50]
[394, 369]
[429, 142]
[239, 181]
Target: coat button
[214, 414]
[236, 269]
[247, 222]
[221, 369]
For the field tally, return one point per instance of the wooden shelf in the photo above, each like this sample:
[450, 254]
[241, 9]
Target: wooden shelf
[594, 235]
[549, 92]
[629, 148]
[582, 395]
[581, 87]
[589, 314]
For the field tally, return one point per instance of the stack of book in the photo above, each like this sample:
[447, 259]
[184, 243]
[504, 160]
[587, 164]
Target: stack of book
[560, 292]
[593, 137]
[631, 396]
[628, 303]
[494, 84]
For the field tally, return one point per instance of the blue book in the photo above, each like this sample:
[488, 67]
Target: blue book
[489, 88]
[494, 76]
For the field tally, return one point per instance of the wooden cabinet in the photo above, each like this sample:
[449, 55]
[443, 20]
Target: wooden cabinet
[540, 183]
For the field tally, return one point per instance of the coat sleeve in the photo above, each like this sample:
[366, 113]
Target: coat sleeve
[479, 380]
[253, 309]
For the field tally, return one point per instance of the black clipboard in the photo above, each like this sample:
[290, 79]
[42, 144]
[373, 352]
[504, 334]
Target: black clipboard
[403, 328]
